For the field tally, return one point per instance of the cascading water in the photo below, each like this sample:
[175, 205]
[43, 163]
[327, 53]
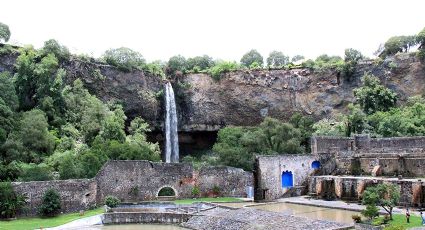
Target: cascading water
[171, 137]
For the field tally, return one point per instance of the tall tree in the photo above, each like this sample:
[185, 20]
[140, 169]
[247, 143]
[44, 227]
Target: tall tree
[277, 59]
[4, 32]
[251, 57]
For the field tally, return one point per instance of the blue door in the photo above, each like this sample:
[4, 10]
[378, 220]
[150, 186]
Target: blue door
[287, 179]
[315, 164]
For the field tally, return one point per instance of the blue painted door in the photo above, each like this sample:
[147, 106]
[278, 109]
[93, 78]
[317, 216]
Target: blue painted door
[287, 179]
[315, 164]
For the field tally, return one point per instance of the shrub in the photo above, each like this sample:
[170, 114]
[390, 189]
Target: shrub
[196, 191]
[124, 58]
[51, 203]
[222, 67]
[10, 202]
[370, 212]
[356, 218]
[112, 201]
[216, 189]
[53, 47]
[251, 57]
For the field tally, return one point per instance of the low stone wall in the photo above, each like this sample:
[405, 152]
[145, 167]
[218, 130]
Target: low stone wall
[269, 169]
[147, 218]
[230, 181]
[75, 194]
[325, 144]
[412, 191]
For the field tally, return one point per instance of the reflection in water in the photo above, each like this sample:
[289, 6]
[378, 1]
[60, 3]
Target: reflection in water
[138, 227]
[235, 204]
[338, 215]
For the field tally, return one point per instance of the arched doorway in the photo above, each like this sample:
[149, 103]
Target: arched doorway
[166, 192]
[315, 164]
[287, 179]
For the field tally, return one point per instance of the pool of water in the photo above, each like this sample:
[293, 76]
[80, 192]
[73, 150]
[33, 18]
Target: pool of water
[236, 204]
[137, 227]
[338, 215]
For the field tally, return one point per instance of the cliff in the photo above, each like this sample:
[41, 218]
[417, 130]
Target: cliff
[240, 97]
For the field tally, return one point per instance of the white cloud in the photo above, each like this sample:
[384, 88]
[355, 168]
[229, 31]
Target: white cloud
[223, 29]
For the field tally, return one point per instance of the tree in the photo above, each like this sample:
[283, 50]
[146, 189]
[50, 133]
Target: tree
[305, 125]
[69, 167]
[34, 172]
[385, 195]
[50, 203]
[113, 125]
[200, 63]
[421, 39]
[371, 211]
[124, 58]
[373, 97]
[352, 55]
[397, 44]
[277, 59]
[53, 47]
[251, 57]
[222, 67]
[297, 58]
[176, 65]
[4, 32]
[7, 90]
[7, 121]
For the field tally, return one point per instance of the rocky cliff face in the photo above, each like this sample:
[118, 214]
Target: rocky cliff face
[241, 97]
[246, 97]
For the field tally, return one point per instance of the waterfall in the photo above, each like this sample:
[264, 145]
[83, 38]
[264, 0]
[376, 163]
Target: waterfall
[171, 137]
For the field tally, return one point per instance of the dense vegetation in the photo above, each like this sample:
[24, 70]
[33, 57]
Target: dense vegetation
[51, 130]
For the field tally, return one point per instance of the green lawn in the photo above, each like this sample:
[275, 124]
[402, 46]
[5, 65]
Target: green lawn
[206, 199]
[399, 222]
[33, 223]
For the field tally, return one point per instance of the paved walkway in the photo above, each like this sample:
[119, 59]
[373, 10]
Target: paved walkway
[80, 223]
[338, 204]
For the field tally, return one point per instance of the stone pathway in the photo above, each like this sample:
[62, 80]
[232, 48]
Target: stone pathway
[338, 204]
[250, 219]
[80, 223]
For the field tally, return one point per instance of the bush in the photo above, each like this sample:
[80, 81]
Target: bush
[53, 47]
[51, 203]
[10, 203]
[124, 58]
[251, 57]
[356, 218]
[222, 67]
[370, 212]
[112, 201]
[216, 189]
[196, 191]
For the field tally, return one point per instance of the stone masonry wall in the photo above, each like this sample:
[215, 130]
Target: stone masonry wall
[268, 173]
[135, 181]
[75, 194]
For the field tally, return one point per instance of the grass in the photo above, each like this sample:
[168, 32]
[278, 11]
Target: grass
[37, 222]
[399, 222]
[207, 199]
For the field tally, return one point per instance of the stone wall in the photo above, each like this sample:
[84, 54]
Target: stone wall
[75, 194]
[324, 144]
[135, 181]
[138, 217]
[230, 181]
[269, 169]
[142, 180]
[351, 188]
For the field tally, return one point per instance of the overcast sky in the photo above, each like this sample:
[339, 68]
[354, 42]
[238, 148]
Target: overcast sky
[224, 29]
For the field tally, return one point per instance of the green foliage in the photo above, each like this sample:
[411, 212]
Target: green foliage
[9, 172]
[236, 146]
[7, 121]
[277, 59]
[10, 202]
[352, 57]
[112, 201]
[156, 68]
[176, 66]
[305, 125]
[51, 203]
[251, 57]
[330, 127]
[385, 195]
[200, 63]
[34, 172]
[124, 58]
[53, 47]
[371, 211]
[222, 67]
[196, 192]
[356, 218]
[6, 49]
[324, 62]
[373, 96]
[4, 32]
[397, 44]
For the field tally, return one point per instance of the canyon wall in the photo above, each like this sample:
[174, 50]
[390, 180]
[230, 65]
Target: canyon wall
[242, 97]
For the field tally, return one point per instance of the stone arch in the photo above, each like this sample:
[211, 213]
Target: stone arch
[166, 189]
[287, 179]
[315, 164]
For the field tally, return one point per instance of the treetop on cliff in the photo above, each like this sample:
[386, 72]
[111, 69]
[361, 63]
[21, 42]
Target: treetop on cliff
[251, 57]
[4, 32]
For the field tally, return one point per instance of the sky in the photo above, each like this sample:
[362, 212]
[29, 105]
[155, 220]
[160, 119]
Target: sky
[223, 29]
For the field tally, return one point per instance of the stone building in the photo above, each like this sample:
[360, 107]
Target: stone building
[342, 167]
